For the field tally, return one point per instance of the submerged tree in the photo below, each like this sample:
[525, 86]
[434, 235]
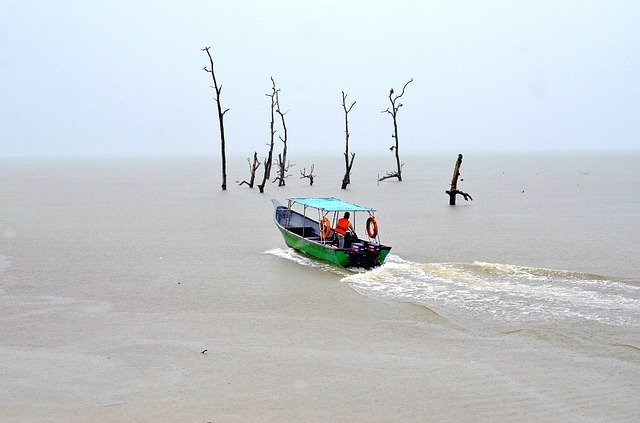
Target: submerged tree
[269, 159]
[221, 113]
[283, 165]
[454, 184]
[309, 175]
[393, 111]
[346, 180]
[253, 166]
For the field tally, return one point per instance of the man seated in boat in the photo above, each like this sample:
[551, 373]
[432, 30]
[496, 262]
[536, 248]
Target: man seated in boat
[344, 229]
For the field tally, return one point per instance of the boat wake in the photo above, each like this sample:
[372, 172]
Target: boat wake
[292, 255]
[303, 260]
[503, 294]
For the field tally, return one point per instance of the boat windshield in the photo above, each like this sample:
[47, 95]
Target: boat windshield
[329, 204]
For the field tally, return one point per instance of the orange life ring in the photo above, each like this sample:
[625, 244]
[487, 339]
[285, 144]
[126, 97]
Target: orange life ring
[372, 227]
[325, 228]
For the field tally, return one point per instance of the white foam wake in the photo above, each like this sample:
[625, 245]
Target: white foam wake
[504, 293]
[292, 255]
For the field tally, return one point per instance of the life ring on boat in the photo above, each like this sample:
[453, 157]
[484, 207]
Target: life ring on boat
[325, 228]
[372, 227]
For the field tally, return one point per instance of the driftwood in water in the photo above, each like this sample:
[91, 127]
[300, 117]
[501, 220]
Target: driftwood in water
[454, 184]
[252, 170]
[348, 164]
[221, 113]
[310, 175]
[393, 111]
[269, 159]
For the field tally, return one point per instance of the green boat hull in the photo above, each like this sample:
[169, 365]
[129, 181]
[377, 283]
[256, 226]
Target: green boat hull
[302, 234]
[331, 254]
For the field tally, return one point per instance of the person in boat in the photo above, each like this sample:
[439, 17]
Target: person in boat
[344, 229]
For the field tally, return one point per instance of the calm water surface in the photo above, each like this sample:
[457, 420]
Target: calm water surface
[108, 258]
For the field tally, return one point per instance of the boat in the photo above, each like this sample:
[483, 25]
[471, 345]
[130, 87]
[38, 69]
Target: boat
[318, 239]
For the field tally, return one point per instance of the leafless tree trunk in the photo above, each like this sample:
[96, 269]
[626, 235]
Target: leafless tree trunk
[393, 111]
[221, 113]
[269, 159]
[346, 180]
[454, 184]
[310, 176]
[252, 170]
[283, 166]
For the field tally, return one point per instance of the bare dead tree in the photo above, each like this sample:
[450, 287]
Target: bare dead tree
[310, 175]
[221, 113]
[393, 111]
[269, 159]
[252, 170]
[283, 171]
[283, 165]
[454, 184]
[348, 164]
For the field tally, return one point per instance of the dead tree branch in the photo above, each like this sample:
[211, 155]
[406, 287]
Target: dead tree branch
[252, 170]
[393, 111]
[283, 165]
[310, 175]
[221, 113]
[269, 159]
[348, 164]
[283, 169]
[390, 175]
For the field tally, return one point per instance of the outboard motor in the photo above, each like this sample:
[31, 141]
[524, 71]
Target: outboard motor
[357, 248]
[373, 248]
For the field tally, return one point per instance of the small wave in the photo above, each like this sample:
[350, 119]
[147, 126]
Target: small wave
[536, 273]
[503, 293]
[292, 255]
[303, 260]
[21, 306]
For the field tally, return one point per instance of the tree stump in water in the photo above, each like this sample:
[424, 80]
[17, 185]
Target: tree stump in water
[309, 175]
[252, 170]
[454, 184]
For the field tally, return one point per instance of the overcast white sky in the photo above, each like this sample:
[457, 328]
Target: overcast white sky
[125, 77]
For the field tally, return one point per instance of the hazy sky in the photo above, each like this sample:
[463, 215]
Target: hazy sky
[125, 77]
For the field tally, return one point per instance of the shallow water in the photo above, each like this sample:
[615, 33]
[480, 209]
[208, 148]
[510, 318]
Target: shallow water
[115, 275]
[547, 240]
